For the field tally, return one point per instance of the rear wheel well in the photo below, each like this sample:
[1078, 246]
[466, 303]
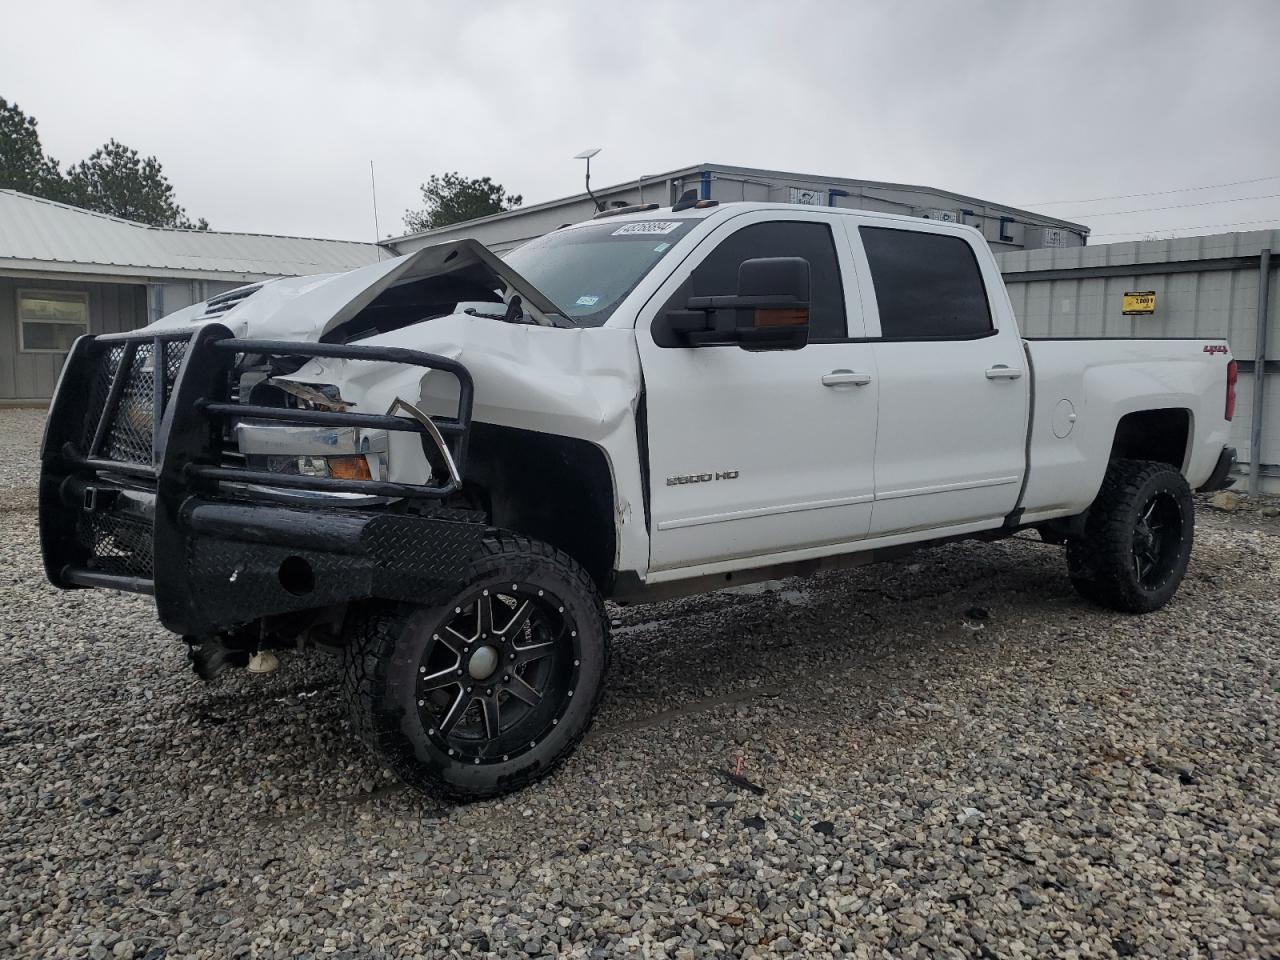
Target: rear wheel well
[555, 489]
[1159, 435]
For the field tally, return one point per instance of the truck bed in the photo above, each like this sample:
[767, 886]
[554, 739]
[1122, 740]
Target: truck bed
[1084, 389]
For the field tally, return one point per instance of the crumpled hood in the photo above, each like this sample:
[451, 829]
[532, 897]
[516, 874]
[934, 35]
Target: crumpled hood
[306, 308]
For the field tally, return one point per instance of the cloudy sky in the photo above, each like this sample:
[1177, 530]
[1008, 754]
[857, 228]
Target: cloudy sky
[267, 114]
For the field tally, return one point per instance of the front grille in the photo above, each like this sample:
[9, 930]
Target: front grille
[118, 544]
[130, 424]
[131, 429]
[174, 352]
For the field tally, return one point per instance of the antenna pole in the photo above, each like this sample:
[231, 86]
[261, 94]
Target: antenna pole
[587, 155]
[589, 193]
[373, 190]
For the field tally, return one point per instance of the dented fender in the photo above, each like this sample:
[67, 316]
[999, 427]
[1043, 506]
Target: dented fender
[584, 384]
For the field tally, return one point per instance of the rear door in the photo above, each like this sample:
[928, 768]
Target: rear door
[954, 381]
[757, 452]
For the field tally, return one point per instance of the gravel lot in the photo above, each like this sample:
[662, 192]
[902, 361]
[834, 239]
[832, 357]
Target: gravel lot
[958, 759]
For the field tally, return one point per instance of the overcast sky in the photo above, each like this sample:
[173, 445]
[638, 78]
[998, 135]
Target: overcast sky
[265, 115]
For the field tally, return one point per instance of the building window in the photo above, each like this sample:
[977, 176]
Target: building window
[50, 320]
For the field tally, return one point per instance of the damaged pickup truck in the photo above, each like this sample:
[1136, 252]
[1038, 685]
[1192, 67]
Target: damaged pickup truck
[443, 463]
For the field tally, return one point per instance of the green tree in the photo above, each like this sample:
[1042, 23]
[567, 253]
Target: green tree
[453, 198]
[116, 180]
[23, 163]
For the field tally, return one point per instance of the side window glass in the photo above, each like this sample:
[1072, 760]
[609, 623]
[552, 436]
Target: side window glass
[718, 273]
[927, 285]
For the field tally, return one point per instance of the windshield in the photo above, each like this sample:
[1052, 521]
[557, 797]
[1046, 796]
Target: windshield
[588, 270]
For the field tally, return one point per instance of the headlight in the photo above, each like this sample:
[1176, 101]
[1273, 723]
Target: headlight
[339, 468]
[340, 453]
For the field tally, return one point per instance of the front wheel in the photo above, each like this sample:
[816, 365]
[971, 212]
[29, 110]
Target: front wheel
[491, 690]
[1137, 538]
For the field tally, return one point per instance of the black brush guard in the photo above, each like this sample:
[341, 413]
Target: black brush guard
[134, 493]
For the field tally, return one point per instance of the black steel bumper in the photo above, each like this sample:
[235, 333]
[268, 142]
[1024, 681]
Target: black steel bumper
[135, 493]
[1221, 477]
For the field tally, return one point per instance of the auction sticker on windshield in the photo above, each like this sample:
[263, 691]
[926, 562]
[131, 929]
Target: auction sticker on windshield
[648, 228]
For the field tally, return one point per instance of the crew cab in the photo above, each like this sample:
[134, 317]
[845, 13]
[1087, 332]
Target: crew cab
[442, 464]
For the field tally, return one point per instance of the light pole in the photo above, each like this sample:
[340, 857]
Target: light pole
[587, 155]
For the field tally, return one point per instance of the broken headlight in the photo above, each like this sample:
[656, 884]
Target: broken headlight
[336, 452]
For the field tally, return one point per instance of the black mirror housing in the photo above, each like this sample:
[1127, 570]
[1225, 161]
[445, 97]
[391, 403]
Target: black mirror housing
[779, 278]
[770, 310]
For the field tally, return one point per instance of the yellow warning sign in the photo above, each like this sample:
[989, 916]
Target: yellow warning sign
[1139, 302]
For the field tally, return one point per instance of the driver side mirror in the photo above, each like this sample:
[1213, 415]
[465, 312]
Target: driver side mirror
[770, 310]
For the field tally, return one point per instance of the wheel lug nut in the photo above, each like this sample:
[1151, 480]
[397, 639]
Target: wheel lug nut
[506, 679]
[489, 692]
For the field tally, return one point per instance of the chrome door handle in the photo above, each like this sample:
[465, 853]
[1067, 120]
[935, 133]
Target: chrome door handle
[1002, 371]
[839, 378]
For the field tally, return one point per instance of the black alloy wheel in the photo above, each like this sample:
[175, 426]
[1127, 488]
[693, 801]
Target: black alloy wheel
[490, 689]
[1136, 543]
[492, 678]
[1157, 538]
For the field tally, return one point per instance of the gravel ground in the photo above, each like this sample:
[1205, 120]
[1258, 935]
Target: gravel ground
[957, 758]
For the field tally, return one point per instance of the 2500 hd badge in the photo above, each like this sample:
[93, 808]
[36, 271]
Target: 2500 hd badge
[702, 477]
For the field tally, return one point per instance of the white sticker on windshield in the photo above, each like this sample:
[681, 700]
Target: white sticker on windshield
[662, 248]
[648, 228]
[588, 301]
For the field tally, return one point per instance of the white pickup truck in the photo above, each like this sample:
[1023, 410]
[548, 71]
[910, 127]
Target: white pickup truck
[443, 463]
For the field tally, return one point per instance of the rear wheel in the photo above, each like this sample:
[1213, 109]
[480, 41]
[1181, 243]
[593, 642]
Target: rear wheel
[491, 690]
[1137, 538]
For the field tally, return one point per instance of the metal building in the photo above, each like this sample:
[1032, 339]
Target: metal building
[1005, 227]
[66, 271]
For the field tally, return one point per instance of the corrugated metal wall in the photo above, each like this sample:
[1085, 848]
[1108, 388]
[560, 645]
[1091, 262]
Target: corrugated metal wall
[113, 307]
[1077, 293]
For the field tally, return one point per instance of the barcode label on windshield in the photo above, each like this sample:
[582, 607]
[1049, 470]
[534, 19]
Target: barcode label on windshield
[648, 228]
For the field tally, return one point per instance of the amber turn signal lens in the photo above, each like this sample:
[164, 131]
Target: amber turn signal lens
[782, 318]
[349, 468]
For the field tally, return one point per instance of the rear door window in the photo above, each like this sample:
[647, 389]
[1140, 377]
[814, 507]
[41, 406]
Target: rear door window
[928, 285]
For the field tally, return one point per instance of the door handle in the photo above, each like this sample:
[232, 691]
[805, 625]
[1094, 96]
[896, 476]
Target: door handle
[839, 378]
[1002, 371]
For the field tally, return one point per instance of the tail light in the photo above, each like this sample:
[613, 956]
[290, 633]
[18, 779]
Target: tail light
[1233, 371]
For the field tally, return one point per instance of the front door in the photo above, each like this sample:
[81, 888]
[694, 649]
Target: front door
[760, 452]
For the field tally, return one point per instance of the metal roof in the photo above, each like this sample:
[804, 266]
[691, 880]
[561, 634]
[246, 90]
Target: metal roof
[780, 176]
[46, 236]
